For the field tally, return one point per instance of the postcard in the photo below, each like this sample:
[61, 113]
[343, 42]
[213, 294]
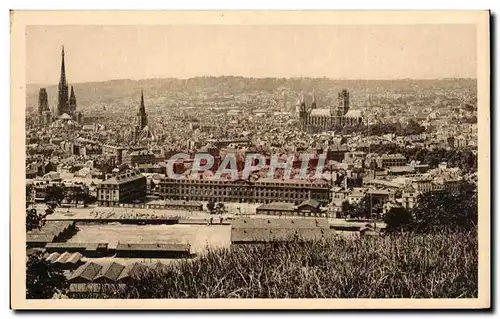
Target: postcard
[250, 160]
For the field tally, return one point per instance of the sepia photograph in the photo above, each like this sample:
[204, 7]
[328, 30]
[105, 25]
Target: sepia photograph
[250, 160]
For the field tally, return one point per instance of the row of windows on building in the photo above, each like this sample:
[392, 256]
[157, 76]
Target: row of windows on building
[229, 183]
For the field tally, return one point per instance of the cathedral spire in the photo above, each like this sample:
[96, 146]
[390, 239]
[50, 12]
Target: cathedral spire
[72, 101]
[63, 68]
[142, 117]
[142, 107]
[62, 102]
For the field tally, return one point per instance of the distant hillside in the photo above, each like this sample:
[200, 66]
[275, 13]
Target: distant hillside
[125, 93]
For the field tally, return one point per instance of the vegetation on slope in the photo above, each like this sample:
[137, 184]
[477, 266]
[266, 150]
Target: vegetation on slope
[440, 265]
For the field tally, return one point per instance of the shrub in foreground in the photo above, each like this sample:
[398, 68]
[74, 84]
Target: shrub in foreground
[406, 266]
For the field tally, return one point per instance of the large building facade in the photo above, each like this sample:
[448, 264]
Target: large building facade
[261, 191]
[123, 188]
[314, 119]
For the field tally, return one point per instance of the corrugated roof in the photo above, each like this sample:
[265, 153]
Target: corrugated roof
[137, 270]
[110, 271]
[52, 257]
[310, 202]
[277, 206]
[39, 238]
[74, 258]
[87, 271]
[62, 258]
[123, 178]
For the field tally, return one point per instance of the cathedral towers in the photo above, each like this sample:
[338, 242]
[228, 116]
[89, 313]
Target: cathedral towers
[313, 119]
[66, 103]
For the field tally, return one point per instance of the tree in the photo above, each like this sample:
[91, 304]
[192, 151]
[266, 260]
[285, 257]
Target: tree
[367, 207]
[455, 210]
[211, 206]
[55, 195]
[220, 208]
[42, 278]
[123, 168]
[29, 198]
[398, 219]
[79, 194]
[34, 220]
[347, 208]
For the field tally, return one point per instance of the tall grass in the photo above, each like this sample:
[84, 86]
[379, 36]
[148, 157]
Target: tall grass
[404, 266]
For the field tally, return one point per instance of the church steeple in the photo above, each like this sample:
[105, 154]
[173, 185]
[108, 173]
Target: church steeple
[142, 108]
[72, 101]
[62, 101]
[142, 117]
[63, 68]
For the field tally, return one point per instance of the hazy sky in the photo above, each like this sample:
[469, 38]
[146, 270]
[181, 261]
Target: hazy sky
[97, 53]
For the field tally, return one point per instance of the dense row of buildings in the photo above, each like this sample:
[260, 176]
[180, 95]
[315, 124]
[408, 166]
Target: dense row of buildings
[136, 167]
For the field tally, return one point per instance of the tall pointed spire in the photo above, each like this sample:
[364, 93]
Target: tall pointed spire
[142, 117]
[72, 101]
[142, 107]
[62, 102]
[63, 68]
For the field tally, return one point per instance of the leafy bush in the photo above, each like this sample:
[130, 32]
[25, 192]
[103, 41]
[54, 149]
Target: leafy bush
[43, 280]
[434, 211]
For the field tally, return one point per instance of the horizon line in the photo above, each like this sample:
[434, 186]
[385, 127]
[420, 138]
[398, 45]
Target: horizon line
[260, 77]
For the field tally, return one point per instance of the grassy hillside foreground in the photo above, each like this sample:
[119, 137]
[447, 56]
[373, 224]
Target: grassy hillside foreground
[409, 266]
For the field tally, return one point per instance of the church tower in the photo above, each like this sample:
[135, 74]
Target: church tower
[43, 104]
[62, 101]
[343, 100]
[72, 102]
[142, 117]
[43, 107]
[342, 107]
[313, 103]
